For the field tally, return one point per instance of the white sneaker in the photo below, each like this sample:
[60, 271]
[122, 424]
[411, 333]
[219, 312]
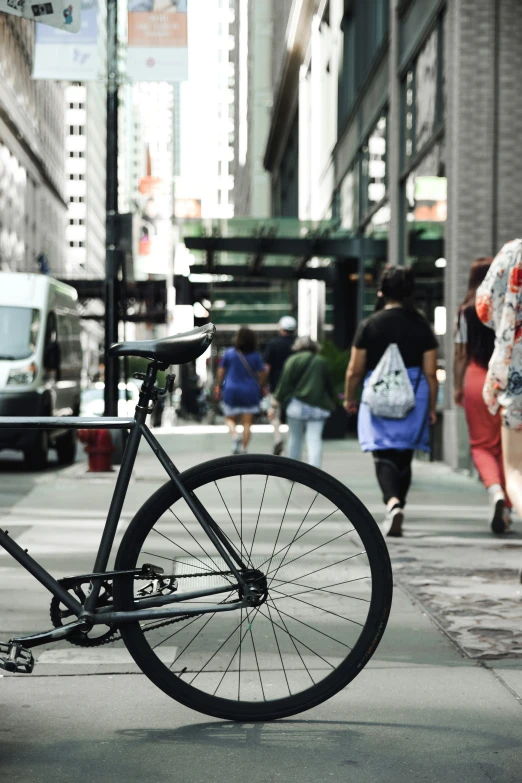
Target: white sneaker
[498, 509]
[393, 522]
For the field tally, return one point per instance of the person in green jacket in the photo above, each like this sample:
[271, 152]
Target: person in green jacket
[307, 392]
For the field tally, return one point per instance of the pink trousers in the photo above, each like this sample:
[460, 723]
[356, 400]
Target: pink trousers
[484, 429]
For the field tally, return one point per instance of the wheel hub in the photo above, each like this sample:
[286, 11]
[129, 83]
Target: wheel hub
[255, 591]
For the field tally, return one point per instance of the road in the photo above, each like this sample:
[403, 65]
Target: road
[441, 698]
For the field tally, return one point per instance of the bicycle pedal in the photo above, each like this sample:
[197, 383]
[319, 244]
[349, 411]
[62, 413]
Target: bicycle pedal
[15, 659]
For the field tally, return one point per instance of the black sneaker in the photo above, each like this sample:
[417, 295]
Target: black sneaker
[278, 448]
[498, 520]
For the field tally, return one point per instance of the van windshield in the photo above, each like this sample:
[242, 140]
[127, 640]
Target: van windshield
[19, 328]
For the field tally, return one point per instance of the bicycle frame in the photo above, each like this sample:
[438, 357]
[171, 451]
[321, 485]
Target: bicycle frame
[150, 608]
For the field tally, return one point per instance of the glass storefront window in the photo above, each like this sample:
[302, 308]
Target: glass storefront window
[373, 167]
[426, 196]
[425, 193]
[379, 225]
[377, 163]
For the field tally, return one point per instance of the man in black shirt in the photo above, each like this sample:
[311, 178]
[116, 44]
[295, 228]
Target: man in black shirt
[277, 352]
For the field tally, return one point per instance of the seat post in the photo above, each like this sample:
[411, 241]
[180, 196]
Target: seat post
[147, 387]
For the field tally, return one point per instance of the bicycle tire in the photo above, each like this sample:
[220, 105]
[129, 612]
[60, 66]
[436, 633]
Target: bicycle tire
[280, 469]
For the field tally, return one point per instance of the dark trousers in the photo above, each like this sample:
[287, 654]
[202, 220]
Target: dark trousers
[393, 469]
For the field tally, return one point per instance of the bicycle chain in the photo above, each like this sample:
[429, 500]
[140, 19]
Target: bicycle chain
[112, 636]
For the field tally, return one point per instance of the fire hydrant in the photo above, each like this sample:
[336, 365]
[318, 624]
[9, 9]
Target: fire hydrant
[99, 448]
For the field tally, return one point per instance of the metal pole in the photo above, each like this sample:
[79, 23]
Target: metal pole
[111, 203]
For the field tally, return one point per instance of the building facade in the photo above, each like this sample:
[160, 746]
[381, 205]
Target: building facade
[85, 145]
[32, 161]
[253, 32]
[396, 121]
[204, 116]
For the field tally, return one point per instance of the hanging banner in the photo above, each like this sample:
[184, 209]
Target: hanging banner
[59, 56]
[157, 43]
[62, 14]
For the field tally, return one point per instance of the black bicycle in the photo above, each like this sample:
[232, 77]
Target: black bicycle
[248, 588]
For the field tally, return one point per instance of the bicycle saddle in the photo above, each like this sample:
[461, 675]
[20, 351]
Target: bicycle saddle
[178, 349]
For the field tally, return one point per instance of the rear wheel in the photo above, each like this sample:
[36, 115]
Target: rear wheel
[329, 589]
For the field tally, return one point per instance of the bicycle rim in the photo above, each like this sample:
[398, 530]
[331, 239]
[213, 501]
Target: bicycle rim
[329, 588]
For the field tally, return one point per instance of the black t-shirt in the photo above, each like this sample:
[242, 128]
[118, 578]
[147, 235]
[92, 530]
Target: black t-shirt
[407, 328]
[277, 352]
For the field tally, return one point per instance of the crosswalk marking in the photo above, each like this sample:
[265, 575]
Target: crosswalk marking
[98, 656]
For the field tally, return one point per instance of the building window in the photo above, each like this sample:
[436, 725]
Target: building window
[423, 96]
[364, 29]
[373, 168]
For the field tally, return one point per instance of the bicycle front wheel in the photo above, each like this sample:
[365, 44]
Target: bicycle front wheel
[329, 588]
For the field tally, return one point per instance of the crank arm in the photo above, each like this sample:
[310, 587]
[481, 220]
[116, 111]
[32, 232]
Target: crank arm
[36, 639]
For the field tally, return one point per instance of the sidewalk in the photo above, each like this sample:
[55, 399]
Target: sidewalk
[440, 699]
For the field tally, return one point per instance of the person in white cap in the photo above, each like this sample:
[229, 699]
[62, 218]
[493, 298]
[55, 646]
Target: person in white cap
[277, 352]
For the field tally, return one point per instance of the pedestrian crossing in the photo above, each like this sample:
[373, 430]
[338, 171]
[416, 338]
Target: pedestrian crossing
[97, 656]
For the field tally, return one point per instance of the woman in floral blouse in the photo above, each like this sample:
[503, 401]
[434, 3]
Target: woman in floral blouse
[499, 306]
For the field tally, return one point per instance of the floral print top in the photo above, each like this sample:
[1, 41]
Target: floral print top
[499, 306]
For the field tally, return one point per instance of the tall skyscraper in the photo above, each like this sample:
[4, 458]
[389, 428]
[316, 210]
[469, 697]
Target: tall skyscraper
[32, 163]
[85, 150]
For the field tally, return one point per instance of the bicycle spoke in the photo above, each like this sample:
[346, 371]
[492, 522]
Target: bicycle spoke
[257, 521]
[239, 672]
[281, 525]
[250, 625]
[321, 609]
[296, 537]
[218, 650]
[159, 533]
[196, 540]
[301, 642]
[168, 638]
[205, 570]
[305, 554]
[193, 638]
[292, 640]
[279, 650]
[319, 590]
[240, 553]
[302, 622]
[232, 660]
[331, 565]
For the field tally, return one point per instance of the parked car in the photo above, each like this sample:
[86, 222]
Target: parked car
[92, 403]
[40, 362]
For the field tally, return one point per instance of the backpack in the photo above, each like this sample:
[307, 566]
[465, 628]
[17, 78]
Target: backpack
[389, 393]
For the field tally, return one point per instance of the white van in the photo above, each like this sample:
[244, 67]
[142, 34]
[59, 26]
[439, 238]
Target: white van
[40, 362]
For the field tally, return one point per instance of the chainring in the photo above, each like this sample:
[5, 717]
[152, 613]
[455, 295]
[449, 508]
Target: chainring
[59, 612]
[82, 639]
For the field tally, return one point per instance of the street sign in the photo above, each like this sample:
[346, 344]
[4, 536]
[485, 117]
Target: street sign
[63, 14]
[74, 57]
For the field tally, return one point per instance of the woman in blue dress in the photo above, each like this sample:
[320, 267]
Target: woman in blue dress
[393, 441]
[240, 380]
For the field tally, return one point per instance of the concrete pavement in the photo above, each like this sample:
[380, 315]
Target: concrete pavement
[441, 698]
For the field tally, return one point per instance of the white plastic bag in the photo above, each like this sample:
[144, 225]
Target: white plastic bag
[389, 393]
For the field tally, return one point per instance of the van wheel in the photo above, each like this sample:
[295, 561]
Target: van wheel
[36, 457]
[66, 448]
